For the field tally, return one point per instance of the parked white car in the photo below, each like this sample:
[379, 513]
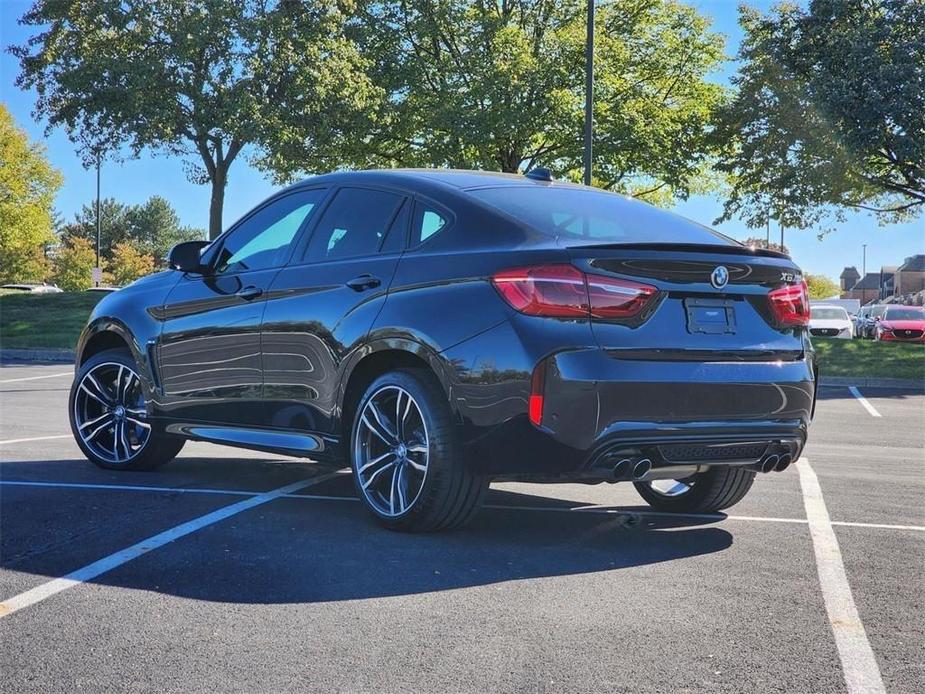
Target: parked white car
[830, 321]
[33, 288]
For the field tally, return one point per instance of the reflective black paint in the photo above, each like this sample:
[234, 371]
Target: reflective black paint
[272, 369]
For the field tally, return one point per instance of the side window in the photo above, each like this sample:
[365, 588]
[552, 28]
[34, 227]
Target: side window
[262, 241]
[353, 225]
[427, 222]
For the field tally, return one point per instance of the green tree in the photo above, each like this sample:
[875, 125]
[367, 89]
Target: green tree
[500, 86]
[154, 228]
[191, 77]
[821, 287]
[829, 113]
[28, 185]
[115, 225]
[128, 264]
[73, 264]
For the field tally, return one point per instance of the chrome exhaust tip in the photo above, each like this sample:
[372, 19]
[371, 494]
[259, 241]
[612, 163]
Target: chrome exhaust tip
[783, 463]
[623, 469]
[769, 463]
[642, 468]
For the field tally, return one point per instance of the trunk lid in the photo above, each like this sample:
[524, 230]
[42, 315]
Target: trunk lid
[693, 318]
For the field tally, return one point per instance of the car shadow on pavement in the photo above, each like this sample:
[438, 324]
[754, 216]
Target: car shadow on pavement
[309, 550]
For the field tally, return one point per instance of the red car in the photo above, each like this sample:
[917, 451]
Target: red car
[902, 324]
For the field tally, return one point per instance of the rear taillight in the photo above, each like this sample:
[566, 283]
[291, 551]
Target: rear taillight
[558, 291]
[564, 291]
[613, 298]
[790, 305]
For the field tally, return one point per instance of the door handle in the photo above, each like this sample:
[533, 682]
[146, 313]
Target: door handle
[363, 282]
[249, 293]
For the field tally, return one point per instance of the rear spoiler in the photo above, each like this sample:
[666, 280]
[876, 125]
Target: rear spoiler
[690, 247]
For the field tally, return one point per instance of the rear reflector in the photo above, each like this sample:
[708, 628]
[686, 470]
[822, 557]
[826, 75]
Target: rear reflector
[790, 305]
[537, 386]
[564, 291]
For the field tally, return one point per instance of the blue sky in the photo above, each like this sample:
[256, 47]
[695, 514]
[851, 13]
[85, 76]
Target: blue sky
[136, 181]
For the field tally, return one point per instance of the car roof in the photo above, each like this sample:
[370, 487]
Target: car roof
[828, 306]
[459, 179]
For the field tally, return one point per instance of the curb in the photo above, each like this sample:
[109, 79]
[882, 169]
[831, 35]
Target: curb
[53, 355]
[872, 382]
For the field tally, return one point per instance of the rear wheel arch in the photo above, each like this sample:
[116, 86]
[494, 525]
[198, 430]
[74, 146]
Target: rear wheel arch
[377, 359]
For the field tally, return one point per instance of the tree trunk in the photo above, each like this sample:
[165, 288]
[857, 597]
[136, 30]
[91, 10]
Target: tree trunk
[510, 159]
[217, 204]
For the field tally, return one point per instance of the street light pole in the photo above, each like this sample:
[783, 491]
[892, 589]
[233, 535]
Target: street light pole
[864, 261]
[98, 222]
[589, 92]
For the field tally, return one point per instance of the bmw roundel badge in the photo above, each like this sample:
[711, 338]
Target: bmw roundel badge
[720, 277]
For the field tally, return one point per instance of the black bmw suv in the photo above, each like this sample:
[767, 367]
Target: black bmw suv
[435, 330]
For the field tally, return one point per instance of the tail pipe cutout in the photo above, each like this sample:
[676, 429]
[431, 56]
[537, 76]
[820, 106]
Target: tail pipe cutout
[673, 461]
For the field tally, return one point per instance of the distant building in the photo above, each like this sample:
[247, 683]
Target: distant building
[849, 277]
[910, 276]
[887, 281]
[867, 289]
[894, 284]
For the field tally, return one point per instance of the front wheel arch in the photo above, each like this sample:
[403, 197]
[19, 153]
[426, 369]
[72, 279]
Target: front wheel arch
[100, 342]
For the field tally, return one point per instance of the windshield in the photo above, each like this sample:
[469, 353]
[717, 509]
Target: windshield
[578, 216]
[905, 313]
[829, 313]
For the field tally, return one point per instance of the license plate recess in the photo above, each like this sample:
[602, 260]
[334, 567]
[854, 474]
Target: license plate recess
[710, 316]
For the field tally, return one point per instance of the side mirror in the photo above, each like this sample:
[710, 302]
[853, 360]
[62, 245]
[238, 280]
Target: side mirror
[186, 256]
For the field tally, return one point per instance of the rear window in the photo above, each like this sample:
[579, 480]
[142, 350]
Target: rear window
[823, 313]
[578, 216]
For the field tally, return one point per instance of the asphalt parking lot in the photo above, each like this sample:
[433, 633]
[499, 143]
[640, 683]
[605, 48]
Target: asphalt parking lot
[235, 571]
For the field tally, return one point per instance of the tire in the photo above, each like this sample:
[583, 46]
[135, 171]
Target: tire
[718, 488]
[107, 390]
[388, 452]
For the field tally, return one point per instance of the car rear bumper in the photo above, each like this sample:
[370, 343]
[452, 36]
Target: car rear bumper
[597, 404]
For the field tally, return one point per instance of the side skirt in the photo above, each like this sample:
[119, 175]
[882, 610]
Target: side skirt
[295, 443]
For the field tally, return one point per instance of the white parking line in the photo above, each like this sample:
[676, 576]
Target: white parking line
[37, 438]
[35, 378]
[861, 399]
[882, 526]
[859, 666]
[101, 566]
[714, 517]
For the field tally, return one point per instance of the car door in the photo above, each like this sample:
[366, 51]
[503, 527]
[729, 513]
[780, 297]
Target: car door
[208, 353]
[322, 305]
